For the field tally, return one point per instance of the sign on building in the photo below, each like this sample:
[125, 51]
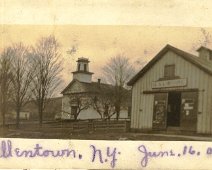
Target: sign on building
[169, 83]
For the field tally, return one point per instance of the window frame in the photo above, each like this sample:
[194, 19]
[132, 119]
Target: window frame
[167, 69]
[85, 67]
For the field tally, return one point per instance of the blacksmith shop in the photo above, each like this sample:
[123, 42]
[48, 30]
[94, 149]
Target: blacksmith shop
[174, 92]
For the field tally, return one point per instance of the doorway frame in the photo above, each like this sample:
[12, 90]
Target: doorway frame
[179, 114]
[153, 92]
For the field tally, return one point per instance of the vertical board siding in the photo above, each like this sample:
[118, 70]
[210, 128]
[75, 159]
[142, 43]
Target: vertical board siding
[133, 110]
[210, 101]
[142, 109]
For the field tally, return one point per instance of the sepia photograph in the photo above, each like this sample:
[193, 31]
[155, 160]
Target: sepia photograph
[106, 82]
[92, 71]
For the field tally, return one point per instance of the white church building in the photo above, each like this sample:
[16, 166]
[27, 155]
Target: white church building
[83, 86]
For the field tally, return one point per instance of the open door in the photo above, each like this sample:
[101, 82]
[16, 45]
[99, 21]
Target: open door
[189, 107]
[174, 109]
[160, 111]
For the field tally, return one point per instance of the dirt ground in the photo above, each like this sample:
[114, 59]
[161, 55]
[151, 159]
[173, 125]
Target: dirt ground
[61, 134]
[62, 130]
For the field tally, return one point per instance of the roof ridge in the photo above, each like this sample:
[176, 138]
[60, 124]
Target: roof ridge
[102, 83]
[187, 56]
[175, 48]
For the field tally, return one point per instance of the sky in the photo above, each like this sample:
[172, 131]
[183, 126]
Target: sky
[102, 29]
[107, 12]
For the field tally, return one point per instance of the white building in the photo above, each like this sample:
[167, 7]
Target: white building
[81, 90]
[24, 115]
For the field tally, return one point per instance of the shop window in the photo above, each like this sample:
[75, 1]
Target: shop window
[169, 71]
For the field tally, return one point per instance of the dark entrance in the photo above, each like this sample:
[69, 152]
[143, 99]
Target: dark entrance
[174, 109]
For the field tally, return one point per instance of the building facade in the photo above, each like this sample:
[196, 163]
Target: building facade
[81, 92]
[174, 91]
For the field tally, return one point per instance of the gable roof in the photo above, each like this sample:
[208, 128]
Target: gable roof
[69, 85]
[93, 87]
[204, 48]
[197, 61]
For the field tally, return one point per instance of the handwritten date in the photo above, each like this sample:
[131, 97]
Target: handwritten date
[108, 155]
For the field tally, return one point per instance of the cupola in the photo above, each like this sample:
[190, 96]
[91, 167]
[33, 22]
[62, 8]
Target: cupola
[82, 73]
[205, 53]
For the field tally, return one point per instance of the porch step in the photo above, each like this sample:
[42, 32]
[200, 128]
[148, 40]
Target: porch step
[173, 130]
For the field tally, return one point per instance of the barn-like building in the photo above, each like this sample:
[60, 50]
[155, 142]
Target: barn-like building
[174, 92]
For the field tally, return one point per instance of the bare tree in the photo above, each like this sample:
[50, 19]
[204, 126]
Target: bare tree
[103, 103]
[78, 103]
[5, 82]
[47, 68]
[117, 71]
[204, 41]
[206, 38]
[22, 78]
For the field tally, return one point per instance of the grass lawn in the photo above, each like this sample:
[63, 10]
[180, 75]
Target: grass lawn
[65, 134]
[62, 130]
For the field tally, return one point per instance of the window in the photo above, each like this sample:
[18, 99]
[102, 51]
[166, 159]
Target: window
[85, 67]
[129, 111]
[73, 110]
[78, 67]
[169, 71]
[210, 57]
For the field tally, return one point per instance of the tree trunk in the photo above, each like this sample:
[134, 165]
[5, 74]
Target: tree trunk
[3, 110]
[117, 115]
[109, 118]
[3, 115]
[117, 112]
[40, 116]
[3, 119]
[75, 117]
[17, 117]
[117, 109]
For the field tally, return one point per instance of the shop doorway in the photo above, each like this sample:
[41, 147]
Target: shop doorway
[174, 109]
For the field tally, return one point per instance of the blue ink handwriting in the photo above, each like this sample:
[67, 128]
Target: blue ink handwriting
[111, 153]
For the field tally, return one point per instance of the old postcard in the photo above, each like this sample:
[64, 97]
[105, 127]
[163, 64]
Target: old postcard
[105, 85]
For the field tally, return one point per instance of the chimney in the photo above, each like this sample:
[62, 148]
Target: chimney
[205, 53]
[99, 82]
